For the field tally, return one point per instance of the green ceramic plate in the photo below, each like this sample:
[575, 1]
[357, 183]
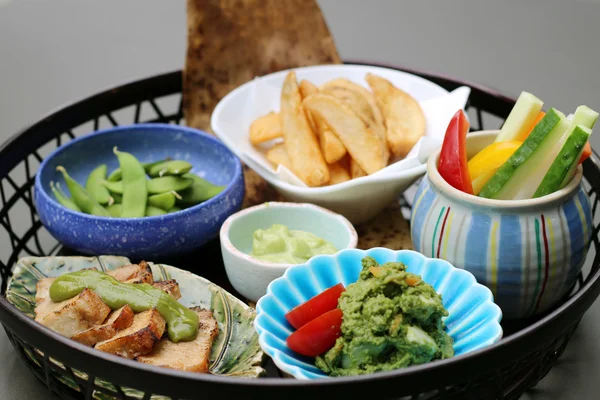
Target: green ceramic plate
[235, 351]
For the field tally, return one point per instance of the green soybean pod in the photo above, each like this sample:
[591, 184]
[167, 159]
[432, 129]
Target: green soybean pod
[116, 188]
[115, 210]
[164, 200]
[201, 190]
[95, 187]
[173, 209]
[135, 192]
[117, 198]
[81, 197]
[154, 211]
[168, 184]
[62, 198]
[174, 167]
[117, 176]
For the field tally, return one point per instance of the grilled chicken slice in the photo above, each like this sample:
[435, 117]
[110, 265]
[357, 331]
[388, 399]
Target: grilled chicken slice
[147, 329]
[192, 356]
[117, 321]
[171, 287]
[74, 315]
[133, 273]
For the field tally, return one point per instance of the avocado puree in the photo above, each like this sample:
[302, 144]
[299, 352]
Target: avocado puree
[182, 323]
[278, 244]
[391, 319]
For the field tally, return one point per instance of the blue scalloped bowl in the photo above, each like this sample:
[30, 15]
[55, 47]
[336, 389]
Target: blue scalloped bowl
[473, 320]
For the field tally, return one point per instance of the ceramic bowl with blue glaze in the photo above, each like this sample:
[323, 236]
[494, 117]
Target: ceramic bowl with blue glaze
[473, 321]
[528, 252]
[148, 237]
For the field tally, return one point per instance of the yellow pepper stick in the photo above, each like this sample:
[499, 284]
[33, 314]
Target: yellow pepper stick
[485, 163]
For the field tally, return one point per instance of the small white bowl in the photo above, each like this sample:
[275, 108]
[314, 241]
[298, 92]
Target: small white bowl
[358, 199]
[249, 276]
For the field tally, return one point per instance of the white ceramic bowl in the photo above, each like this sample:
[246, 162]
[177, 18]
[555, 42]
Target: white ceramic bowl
[358, 199]
[249, 276]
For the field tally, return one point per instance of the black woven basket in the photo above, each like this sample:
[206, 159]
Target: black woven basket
[503, 371]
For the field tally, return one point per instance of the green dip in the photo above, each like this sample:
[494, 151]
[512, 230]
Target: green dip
[182, 323]
[278, 244]
[387, 323]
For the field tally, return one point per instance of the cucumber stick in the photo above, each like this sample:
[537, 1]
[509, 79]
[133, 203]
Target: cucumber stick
[521, 117]
[542, 161]
[505, 183]
[566, 161]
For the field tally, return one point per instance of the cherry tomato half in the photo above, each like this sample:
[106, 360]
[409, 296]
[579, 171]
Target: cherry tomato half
[315, 307]
[317, 336]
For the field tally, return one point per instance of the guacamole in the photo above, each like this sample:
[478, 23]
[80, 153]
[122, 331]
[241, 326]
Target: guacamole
[278, 244]
[391, 319]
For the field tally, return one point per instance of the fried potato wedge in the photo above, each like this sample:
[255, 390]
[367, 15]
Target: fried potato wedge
[339, 173]
[364, 146]
[147, 329]
[117, 321]
[355, 170]
[301, 142]
[360, 100]
[265, 128]
[331, 146]
[278, 155]
[404, 119]
[192, 356]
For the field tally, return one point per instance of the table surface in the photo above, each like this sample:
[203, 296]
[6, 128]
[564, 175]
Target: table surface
[55, 51]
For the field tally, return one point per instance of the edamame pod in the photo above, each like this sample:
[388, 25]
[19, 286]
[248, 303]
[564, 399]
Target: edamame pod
[81, 197]
[62, 198]
[94, 185]
[115, 210]
[116, 175]
[154, 211]
[164, 201]
[156, 185]
[173, 209]
[201, 190]
[175, 167]
[135, 191]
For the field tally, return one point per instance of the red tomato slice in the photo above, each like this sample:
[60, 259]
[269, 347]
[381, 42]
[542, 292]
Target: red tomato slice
[452, 165]
[318, 336]
[315, 307]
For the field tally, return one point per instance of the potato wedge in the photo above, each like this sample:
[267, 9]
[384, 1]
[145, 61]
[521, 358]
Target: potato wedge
[331, 146]
[360, 100]
[355, 170]
[265, 128]
[278, 155]
[404, 119]
[364, 146]
[301, 142]
[339, 173]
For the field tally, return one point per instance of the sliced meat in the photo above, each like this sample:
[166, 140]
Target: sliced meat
[192, 356]
[133, 273]
[117, 321]
[171, 287]
[74, 315]
[42, 296]
[147, 329]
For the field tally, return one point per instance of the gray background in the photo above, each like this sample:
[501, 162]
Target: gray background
[54, 52]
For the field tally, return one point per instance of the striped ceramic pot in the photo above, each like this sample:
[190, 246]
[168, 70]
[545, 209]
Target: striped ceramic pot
[528, 252]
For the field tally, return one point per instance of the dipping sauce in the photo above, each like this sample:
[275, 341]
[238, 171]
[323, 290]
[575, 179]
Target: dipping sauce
[278, 244]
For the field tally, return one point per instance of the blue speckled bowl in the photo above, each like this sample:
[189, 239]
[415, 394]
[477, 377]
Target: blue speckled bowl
[473, 320]
[149, 237]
